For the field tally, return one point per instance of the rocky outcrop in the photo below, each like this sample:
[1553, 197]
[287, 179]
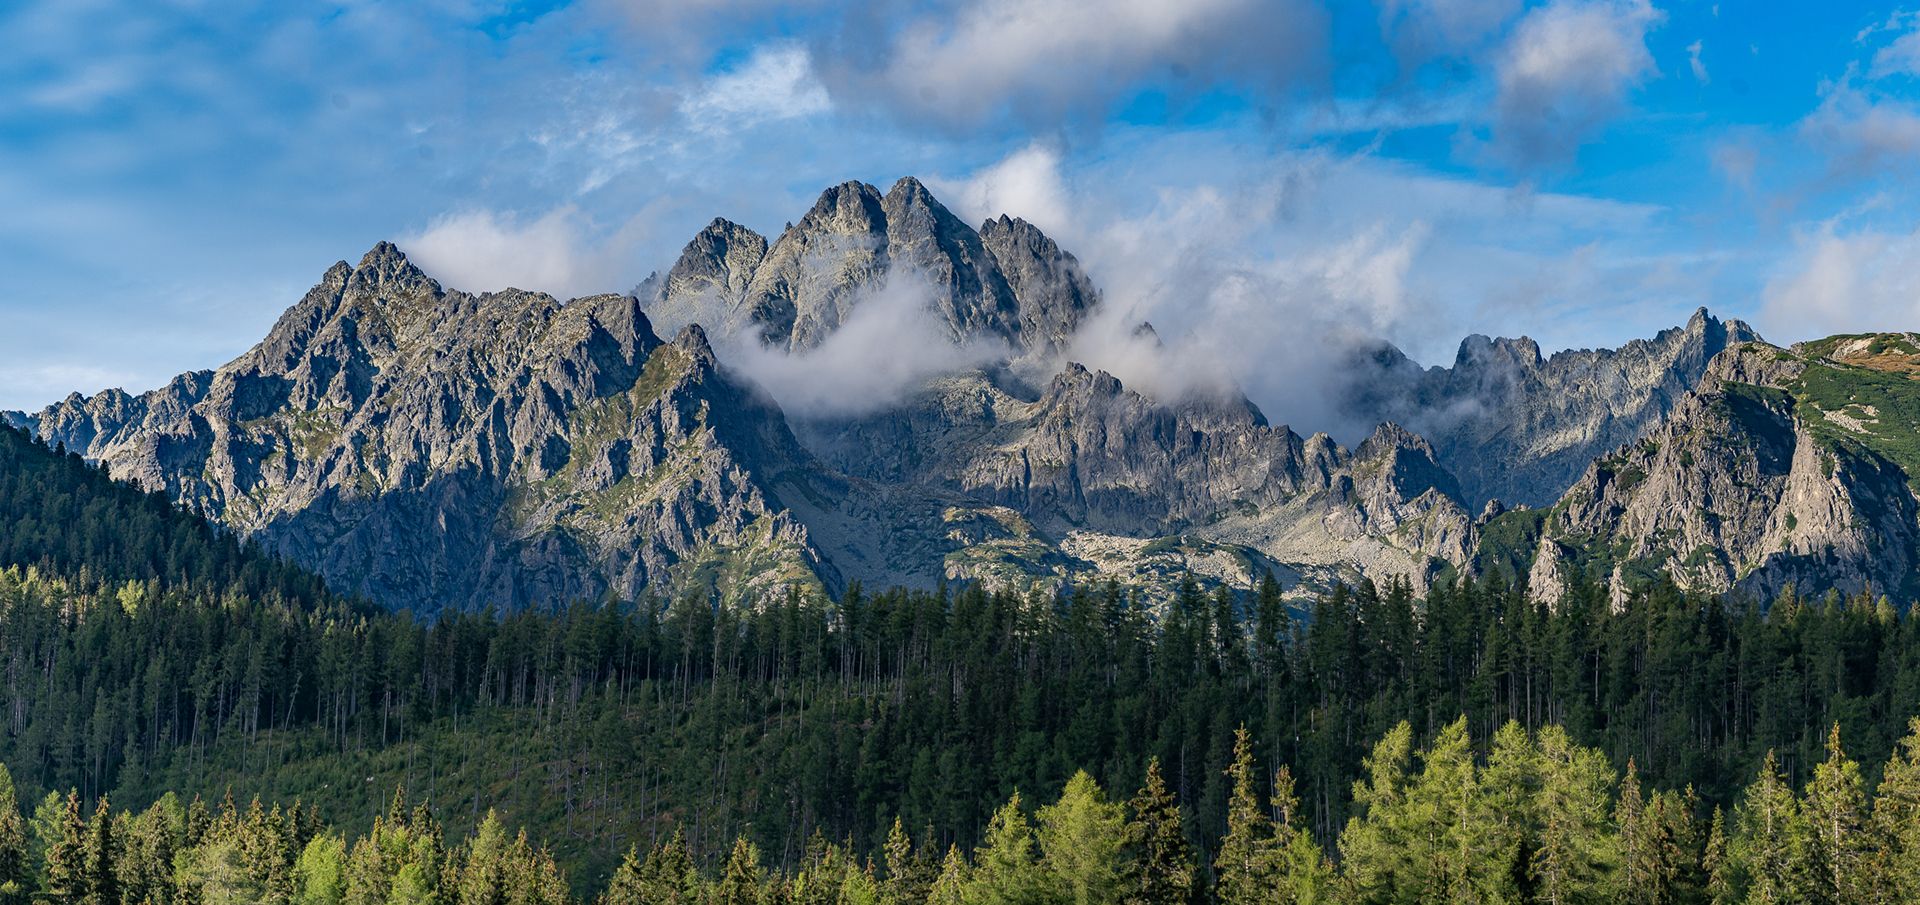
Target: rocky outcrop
[1088, 464]
[1006, 283]
[707, 282]
[434, 449]
[1516, 426]
[1743, 487]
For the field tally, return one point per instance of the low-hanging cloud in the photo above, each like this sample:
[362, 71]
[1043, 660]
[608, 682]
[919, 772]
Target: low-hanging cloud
[888, 347]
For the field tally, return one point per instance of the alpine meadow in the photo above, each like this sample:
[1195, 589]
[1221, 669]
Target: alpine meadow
[1269, 452]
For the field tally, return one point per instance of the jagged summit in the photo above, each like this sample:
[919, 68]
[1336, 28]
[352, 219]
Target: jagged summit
[1520, 426]
[433, 448]
[1006, 282]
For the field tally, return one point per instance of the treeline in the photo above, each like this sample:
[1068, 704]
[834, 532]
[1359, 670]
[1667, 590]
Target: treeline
[1538, 819]
[931, 706]
[63, 516]
[141, 651]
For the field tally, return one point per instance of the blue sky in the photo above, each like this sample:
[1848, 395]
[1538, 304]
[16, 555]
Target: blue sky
[1240, 172]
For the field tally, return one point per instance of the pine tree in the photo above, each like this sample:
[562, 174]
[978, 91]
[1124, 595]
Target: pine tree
[1080, 840]
[1844, 844]
[1769, 848]
[1160, 867]
[1302, 874]
[1896, 821]
[1713, 862]
[1243, 869]
[1005, 871]
[950, 887]
[64, 878]
[16, 880]
[102, 883]
[1636, 840]
[740, 881]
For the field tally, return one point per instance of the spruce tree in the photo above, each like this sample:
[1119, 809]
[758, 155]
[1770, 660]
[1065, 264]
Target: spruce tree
[1302, 875]
[741, 879]
[64, 878]
[102, 884]
[1896, 820]
[1243, 869]
[1160, 866]
[16, 879]
[1844, 844]
[1770, 845]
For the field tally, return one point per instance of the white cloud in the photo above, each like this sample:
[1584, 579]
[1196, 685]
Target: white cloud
[1901, 56]
[776, 82]
[1026, 184]
[1048, 62]
[1565, 72]
[860, 367]
[559, 252]
[1694, 62]
[1845, 282]
[1863, 134]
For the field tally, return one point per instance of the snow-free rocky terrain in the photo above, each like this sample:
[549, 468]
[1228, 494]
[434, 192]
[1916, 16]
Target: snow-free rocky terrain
[436, 449]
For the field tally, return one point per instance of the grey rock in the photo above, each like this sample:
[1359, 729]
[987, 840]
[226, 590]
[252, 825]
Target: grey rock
[1736, 491]
[1516, 426]
[1006, 283]
[433, 449]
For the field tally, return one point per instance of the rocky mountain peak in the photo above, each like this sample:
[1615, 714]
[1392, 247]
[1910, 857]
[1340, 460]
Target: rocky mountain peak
[1006, 282]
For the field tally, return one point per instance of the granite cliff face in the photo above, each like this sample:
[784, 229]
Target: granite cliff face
[1782, 467]
[1519, 427]
[435, 449]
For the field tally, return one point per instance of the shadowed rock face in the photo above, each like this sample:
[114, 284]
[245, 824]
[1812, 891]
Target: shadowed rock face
[434, 449]
[1521, 428]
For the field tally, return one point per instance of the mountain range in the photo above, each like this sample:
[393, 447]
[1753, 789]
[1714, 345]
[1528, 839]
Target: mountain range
[432, 449]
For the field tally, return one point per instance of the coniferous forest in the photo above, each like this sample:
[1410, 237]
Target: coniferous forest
[949, 744]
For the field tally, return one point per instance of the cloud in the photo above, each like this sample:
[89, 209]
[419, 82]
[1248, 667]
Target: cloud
[1901, 56]
[1845, 282]
[1026, 184]
[1048, 63]
[1564, 73]
[775, 83]
[1736, 162]
[860, 367]
[1694, 62]
[1862, 133]
[1420, 31]
[559, 252]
